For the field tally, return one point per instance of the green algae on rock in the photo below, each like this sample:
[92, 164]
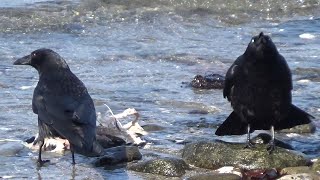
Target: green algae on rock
[212, 155]
[172, 167]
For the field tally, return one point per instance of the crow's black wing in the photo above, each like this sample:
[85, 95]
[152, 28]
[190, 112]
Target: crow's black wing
[232, 73]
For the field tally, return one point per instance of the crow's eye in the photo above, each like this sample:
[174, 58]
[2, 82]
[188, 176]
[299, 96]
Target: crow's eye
[33, 54]
[252, 40]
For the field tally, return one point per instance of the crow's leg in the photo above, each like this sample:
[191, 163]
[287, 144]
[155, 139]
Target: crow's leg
[248, 142]
[271, 145]
[72, 153]
[40, 161]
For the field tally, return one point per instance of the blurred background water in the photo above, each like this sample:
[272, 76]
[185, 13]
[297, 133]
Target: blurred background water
[139, 53]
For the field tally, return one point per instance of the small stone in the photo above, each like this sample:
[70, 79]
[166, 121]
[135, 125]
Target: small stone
[172, 167]
[10, 148]
[211, 81]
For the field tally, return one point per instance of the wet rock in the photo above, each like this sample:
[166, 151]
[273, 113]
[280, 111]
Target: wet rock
[264, 138]
[162, 166]
[117, 155]
[212, 155]
[107, 140]
[299, 177]
[10, 148]
[260, 174]
[3, 86]
[211, 81]
[304, 128]
[198, 111]
[316, 165]
[201, 123]
[216, 176]
[299, 170]
[153, 127]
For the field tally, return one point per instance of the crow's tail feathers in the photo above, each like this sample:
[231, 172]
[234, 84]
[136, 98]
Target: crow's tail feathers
[233, 125]
[295, 117]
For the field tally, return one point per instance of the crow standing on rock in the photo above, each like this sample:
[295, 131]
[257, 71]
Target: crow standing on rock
[64, 107]
[258, 85]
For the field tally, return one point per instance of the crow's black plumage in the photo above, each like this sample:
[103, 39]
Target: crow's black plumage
[62, 103]
[258, 85]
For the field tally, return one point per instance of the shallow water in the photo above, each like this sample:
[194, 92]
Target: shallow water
[138, 54]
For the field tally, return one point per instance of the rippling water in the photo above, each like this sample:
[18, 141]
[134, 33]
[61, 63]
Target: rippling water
[138, 53]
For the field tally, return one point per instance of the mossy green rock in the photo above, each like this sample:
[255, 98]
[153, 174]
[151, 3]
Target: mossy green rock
[163, 166]
[212, 155]
[216, 176]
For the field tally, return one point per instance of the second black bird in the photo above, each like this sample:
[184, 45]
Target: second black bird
[62, 103]
[258, 85]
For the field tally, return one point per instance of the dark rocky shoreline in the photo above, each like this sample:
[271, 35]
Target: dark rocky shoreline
[204, 159]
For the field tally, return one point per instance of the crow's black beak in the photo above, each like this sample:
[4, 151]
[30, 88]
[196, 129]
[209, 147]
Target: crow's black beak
[262, 38]
[261, 34]
[26, 60]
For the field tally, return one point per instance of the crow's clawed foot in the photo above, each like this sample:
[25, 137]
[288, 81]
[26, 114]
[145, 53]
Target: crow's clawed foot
[249, 145]
[271, 147]
[42, 162]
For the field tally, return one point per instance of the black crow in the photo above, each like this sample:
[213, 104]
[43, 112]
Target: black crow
[64, 107]
[258, 85]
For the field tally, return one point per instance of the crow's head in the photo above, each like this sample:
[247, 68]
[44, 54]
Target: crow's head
[43, 60]
[261, 47]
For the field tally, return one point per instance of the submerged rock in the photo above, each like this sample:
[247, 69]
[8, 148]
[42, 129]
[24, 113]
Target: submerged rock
[300, 129]
[212, 155]
[10, 148]
[117, 155]
[211, 81]
[216, 176]
[172, 167]
[152, 127]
